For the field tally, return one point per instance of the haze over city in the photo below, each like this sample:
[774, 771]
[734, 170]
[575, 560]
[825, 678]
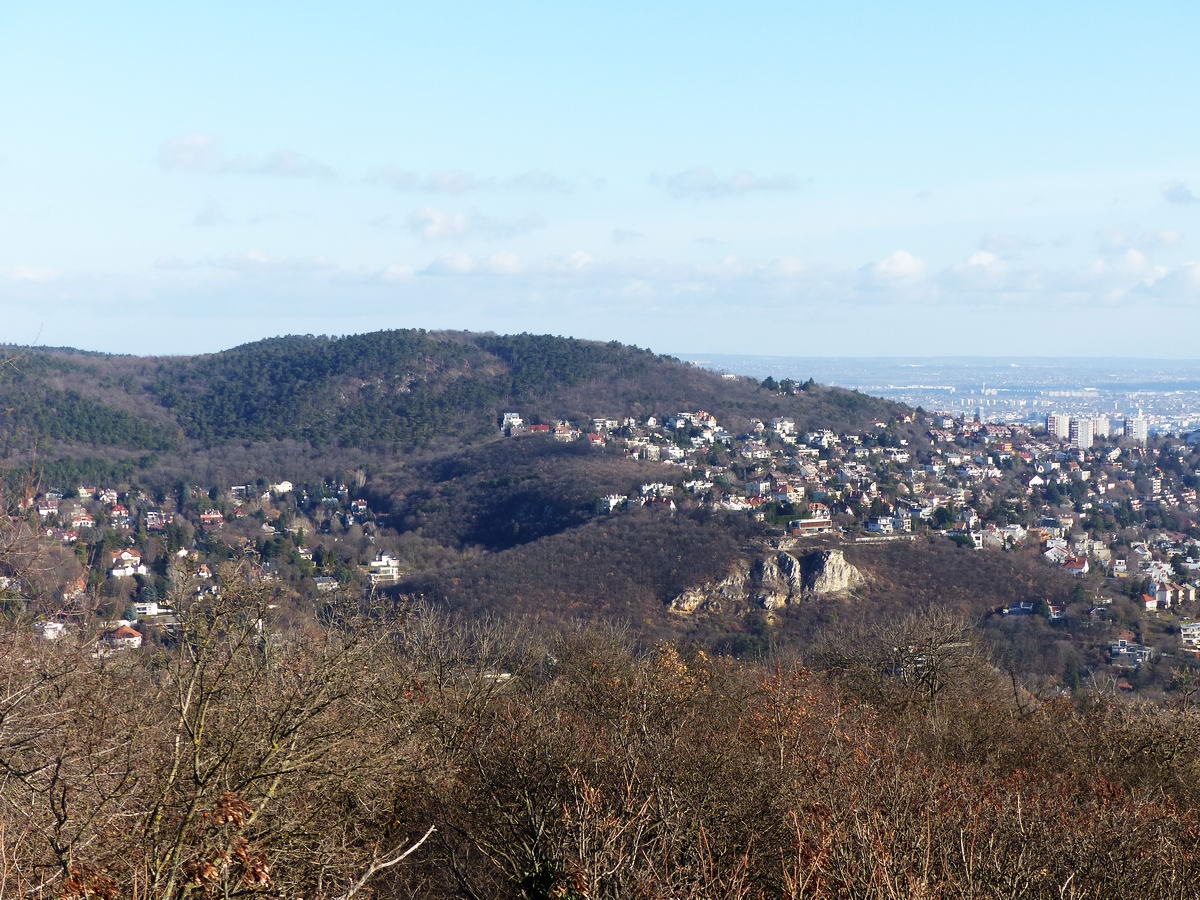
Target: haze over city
[917, 179]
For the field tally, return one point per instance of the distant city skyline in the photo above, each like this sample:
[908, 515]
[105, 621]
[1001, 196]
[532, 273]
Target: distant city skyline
[865, 180]
[1010, 389]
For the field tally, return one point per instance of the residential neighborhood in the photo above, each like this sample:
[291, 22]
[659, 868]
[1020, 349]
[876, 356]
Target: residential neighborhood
[1102, 503]
[123, 552]
[1118, 513]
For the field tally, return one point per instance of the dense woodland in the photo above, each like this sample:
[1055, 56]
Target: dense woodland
[619, 569]
[32, 411]
[378, 393]
[399, 753]
[507, 492]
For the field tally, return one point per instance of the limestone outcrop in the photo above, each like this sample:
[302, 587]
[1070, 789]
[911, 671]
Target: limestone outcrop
[774, 581]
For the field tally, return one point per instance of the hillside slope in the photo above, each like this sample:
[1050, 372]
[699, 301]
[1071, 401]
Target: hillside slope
[382, 392]
[507, 492]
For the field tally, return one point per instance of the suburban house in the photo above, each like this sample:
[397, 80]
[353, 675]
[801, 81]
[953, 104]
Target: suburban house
[50, 631]
[146, 607]
[1076, 565]
[1189, 634]
[384, 569]
[818, 521]
[122, 638]
[125, 563]
[1127, 653]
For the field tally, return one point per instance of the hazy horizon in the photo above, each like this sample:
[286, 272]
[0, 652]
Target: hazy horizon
[853, 180]
[689, 356]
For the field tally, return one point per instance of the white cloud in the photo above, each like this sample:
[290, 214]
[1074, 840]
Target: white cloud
[202, 153]
[456, 181]
[29, 274]
[452, 264]
[540, 180]
[503, 264]
[396, 272]
[983, 260]
[1181, 283]
[789, 266]
[575, 262]
[435, 224]
[1131, 262]
[985, 272]
[466, 264]
[900, 279]
[898, 268]
[702, 182]
[1114, 240]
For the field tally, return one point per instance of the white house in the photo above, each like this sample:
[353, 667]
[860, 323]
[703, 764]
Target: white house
[1189, 633]
[122, 638]
[50, 631]
[384, 569]
[126, 563]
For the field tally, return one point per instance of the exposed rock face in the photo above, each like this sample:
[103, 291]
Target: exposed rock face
[828, 572]
[711, 596]
[774, 581]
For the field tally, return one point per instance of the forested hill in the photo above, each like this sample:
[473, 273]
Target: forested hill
[386, 391]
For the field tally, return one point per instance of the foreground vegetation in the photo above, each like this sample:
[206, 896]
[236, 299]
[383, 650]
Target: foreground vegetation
[396, 753]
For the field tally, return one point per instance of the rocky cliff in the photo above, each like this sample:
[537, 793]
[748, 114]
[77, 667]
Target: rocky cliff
[773, 581]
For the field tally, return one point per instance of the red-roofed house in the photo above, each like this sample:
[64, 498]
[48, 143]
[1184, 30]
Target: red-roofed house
[1076, 565]
[122, 638]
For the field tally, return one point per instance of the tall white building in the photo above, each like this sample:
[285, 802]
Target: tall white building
[1058, 425]
[1101, 427]
[1081, 433]
[1136, 428]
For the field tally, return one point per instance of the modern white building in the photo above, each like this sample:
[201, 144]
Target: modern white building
[1189, 633]
[1058, 425]
[1081, 434]
[1136, 428]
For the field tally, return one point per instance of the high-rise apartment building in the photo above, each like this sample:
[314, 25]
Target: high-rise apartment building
[1058, 425]
[1136, 428]
[1081, 433]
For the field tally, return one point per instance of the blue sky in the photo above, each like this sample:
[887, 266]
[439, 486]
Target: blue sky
[808, 179]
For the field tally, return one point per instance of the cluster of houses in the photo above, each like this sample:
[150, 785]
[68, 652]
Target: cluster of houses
[1096, 512]
[280, 529]
[1120, 515]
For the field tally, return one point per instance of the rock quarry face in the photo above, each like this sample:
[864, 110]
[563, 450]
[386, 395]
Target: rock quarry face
[774, 581]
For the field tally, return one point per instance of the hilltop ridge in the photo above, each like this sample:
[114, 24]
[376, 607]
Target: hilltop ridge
[382, 392]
